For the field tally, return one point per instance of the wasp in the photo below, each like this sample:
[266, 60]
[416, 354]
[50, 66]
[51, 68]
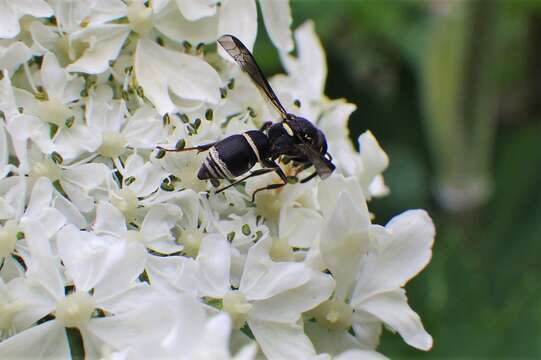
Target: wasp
[293, 138]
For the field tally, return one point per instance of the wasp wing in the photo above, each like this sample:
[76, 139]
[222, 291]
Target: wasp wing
[324, 167]
[236, 49]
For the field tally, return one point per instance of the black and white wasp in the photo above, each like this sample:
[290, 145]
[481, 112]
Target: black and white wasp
[294, 138]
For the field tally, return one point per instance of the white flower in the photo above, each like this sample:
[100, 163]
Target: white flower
[194, 335]
[401, 251]
[270, 298]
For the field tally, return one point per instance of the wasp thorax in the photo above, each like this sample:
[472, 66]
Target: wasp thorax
[334, 315]
[75, 310]
[236, 305]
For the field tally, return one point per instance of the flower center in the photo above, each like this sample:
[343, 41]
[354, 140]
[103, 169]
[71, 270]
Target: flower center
[135, 236]
[7, 312]
[191, 239]
[54, 111]
[45, 168]
[139, 17]
[334, 315]
[75, 309]
[113, 144]
[235, 304]
[268, 204]
[8, 238]
[281, 251]
[126, 201]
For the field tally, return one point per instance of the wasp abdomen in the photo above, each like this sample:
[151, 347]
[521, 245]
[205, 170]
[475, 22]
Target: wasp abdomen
[234, 155]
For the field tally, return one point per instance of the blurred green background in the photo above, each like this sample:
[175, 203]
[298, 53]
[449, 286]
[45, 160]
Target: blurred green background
[452, 90]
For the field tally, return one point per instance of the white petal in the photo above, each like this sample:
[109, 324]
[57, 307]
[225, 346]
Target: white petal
[150, 321]
[277, 17]
[70, 212]
[9, 26]
[105, 42]
[310, 68]
[36, 8]
[286, 307]
[109, 265]
[393, 309]
[87, 176]
[214, 260]
[75, 141]
[301, 226]
[70, 14]
[44, 341]
[156, 228]
[344, 241]
[159, 70]
[125, 262]
[329, 341]
[79, 180]
[130, 300]
[53, 76]
[402, 252]
[8, 103]
[282, 341]
[367, 328]
[144, 129]
[109, 220]
[41, 196]
[43, 267]
[196, 9]
[14, 55]
[106, 10]
[328, 195]
[44, 37]
[172, 273]
[217, 331]
[360, 354]
[238, 18]
[375, 160]
[263, 278]
[175, 26]
[37, 302]
[12, 269]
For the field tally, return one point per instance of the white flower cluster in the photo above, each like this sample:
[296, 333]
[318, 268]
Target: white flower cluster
[103, 235]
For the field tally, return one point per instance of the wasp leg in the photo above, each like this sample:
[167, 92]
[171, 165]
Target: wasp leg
[266, 125]
[301, 168]
[310, 177]
[268, 187]
[199, 148]
[252, 174]
[279, 171]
